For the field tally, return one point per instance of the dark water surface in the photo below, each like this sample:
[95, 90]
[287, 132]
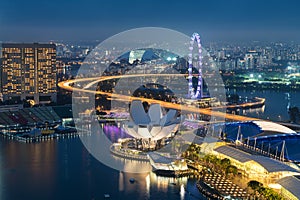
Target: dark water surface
[276, 104]
[63, 169]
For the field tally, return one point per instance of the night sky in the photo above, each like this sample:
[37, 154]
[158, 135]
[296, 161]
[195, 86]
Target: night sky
[215, 20]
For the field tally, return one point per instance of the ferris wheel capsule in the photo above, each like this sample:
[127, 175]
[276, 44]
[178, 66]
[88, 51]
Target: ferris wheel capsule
[198, 93]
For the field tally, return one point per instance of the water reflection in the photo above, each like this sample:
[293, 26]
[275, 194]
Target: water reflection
[63, 169]
[149, 181]
[1, 175]
[257, 111]
[121, 181]
[288, 97]
[276, 104]
[36, 169]
[182, 192]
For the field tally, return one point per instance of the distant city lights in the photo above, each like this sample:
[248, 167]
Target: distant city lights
[171, 59]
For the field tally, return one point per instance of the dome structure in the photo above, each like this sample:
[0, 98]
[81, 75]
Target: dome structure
[148, 54]
[152, 125]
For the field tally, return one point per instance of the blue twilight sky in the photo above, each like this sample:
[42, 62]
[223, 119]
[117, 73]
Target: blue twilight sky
[215, 20]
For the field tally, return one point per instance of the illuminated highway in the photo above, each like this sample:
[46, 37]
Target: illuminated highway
[120, 97]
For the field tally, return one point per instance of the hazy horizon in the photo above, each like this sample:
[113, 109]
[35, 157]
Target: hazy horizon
[79, 20]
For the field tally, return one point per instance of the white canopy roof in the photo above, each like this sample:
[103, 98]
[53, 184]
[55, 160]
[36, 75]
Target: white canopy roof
[271, 126]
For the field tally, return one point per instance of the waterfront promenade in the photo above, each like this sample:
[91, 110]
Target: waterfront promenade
[116, 150]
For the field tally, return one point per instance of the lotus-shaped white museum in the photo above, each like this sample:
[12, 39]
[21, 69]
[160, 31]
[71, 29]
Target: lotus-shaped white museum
[153, 125]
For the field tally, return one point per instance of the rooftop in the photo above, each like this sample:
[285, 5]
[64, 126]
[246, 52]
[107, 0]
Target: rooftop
[273, 127]
[157, 158]
[292, 184]
[269, 164]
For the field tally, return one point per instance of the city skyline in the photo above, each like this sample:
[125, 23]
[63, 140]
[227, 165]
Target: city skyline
[149, 99]
[96, 20]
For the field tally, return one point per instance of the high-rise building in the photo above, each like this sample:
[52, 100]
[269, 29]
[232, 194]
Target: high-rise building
[252, 59]
[28, 71]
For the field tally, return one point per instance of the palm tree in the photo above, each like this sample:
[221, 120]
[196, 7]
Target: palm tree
[231, 169]
[254, 185]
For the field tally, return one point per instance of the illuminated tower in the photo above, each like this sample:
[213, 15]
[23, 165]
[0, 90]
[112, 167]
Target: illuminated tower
[28, 71]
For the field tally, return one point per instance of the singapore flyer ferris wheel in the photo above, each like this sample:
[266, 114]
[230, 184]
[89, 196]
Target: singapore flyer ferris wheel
[199, 91]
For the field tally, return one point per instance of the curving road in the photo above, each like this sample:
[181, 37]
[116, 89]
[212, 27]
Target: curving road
[120, 97]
